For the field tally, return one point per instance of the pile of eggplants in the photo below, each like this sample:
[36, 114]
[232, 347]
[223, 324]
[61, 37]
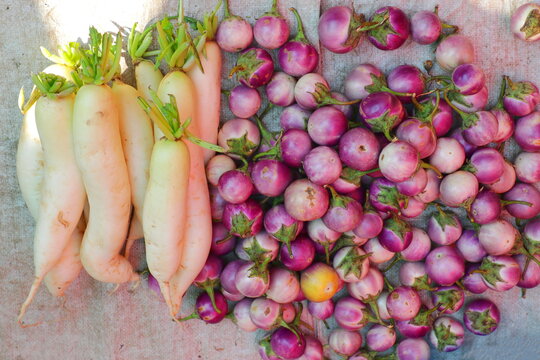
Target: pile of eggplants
[311, 220]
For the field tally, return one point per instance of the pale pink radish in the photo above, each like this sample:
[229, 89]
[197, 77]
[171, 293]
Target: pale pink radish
[63, 196]
[99, 155]
[207, 81]
[197, 234]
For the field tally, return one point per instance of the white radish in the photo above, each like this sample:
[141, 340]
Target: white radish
[147, 75]
[63, 195]
[99, 155]
[147, 78]
[197, 234]
[137, 136]
[30, 168]
[164, 215]
[69, 266]
[30, 162]
[208, 93]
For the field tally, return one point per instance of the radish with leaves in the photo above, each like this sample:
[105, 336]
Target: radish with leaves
[102, 164]
[63, 194]
[207, 79]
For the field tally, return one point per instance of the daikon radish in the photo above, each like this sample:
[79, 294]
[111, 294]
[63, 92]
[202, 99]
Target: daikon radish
[62, 193]
[137, 136]
[30, 168]
[100, 157]
[164, 214]
[208, 83]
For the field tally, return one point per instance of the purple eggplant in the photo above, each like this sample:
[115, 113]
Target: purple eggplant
[244, 101]
[234, 33]
[344, 213]
[300, 255]
[382, 112]
[448, 156]
[351, 264]
[344, 342]
[298, 56]
[359, 149]
[403, 303]
[458, 189]
[369, 287]
[418, 134]
[500, 273]
[473, 280]
[413, 349]
[426, 27]
[447, 334]
[288, 344]
[384, 195]
[326, 125]
[380, 338]
[341, 29]
[243, 220]
[469, 246]
[527, 166]
[271, 177]
[252, 280]
[322, 165]
[284, 286]
[520, 98]
[239, 136]
[351, 314]
[468, 79]
[393, 32]
[455, 50]
[306, 201]
[524, 22]
[398, 161]
[487, 165]
[295, 145]
[418, 248]
[481, 317]
[445, 265]
[370, 225]
[280, 89]
[222, 243]
[271, 30]
[396, 234]
[360, 81]
[406, 79]
[444, 228]
[414, 274]
[448, 299]
[282, 226]
[506, 181]
[527, 133]
[294, 117]
[254, 67]
[235, 186]
[526, 200]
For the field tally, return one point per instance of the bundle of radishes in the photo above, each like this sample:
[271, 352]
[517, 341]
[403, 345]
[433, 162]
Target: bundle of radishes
[88, 137]
[415, 177]
[406, 171]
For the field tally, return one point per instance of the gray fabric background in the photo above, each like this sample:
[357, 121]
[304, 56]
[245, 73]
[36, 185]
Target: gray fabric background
[94, 324]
